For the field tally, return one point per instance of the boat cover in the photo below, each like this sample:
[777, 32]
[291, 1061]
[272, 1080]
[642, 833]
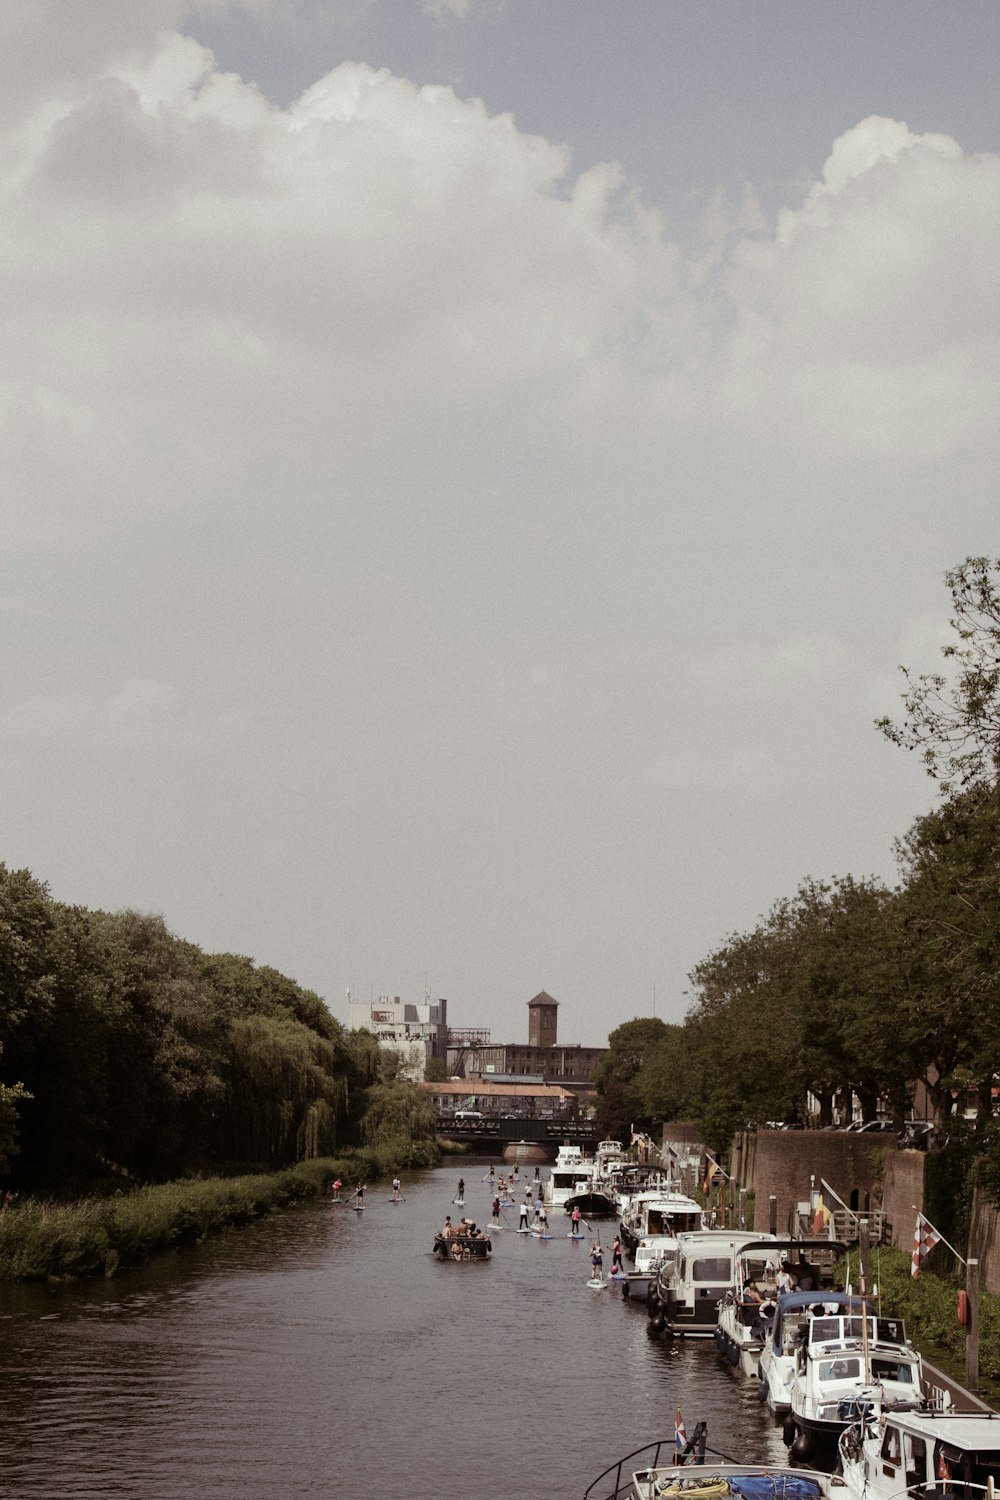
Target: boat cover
[746, 1486]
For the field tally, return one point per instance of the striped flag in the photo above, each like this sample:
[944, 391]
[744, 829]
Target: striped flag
[680, 1436]
[925, 1237]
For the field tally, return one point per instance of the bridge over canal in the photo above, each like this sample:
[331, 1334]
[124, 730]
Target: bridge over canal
[494, 1133]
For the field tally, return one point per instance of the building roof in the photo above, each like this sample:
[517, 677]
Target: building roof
[542, 999]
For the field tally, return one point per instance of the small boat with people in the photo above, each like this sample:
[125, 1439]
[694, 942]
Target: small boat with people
[921, 1452]
[689, 1470]
[746, 1314]
[463, 1245]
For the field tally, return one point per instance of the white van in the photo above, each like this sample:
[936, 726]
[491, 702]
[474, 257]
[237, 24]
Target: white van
[467, 1114]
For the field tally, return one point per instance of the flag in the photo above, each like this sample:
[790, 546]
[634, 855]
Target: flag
[822, 1217]
[680, 1436]
[925, 1237]
[712, 1168]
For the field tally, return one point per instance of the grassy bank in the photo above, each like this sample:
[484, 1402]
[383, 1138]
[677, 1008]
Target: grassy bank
[928, 1304]
[97, 1236]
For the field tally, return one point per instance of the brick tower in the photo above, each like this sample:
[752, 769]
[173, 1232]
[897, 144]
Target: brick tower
[542, 1021]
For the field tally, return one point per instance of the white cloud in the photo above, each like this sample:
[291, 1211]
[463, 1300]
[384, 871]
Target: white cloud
[870, 322]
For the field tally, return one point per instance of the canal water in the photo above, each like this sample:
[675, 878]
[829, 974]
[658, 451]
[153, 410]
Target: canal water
[325, 1352]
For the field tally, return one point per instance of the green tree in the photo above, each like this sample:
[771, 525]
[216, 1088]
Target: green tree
[11, 1096]
[398, 1111]
[953, 719]
[620, 1103]
[950, 860]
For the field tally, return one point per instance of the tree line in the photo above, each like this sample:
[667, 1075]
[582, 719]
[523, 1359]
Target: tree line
[852, 986]
[128, 1055]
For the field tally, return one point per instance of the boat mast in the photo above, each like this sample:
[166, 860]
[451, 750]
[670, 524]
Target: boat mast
[863, 1289]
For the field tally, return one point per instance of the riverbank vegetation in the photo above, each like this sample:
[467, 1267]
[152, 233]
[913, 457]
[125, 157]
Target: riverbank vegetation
[151, 1093]
[851, 987]
[41, 1239]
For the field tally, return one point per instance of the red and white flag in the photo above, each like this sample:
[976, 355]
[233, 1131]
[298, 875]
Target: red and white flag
[680, 1436]
[925, 1237]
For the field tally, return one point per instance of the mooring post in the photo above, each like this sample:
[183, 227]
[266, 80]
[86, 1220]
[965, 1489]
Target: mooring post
[972, 1336]
[772, 1214]
[743, 1208]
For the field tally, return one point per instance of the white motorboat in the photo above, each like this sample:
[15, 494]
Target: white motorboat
[571, 1174]
[848, 1360]
[921, 1452]
[658, 1211]
[746, 1314]
[685, 1295]
[652, 1251]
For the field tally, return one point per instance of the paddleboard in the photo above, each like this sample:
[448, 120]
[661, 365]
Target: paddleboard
[598, 1286]
[574, 1236]
[458, 1202]
[336, 1200]
[522, 1231]
[541, 1236]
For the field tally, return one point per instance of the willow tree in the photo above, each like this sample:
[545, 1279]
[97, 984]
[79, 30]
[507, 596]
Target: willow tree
[398, 1111]
[285, 1096]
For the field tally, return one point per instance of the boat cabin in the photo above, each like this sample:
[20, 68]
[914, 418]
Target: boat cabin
[688, 1292]
[957, 1453]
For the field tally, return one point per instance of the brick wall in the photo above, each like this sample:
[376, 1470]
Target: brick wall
[789, 1163]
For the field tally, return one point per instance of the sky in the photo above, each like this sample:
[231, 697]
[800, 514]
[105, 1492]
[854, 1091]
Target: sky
[471, 470]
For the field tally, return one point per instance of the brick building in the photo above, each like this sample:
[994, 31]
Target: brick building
[569, 1065]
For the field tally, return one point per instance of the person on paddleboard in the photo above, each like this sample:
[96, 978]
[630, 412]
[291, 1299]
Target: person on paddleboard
[541, 1222]
[616, 1257]
[461, 1190]
[575, 1220]
[337, 1185]
[596, 1262]
[496, 1212]
[396, 1185]
[523, 1217]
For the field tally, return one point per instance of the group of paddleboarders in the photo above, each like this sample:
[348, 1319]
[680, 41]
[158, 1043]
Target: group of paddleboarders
[539, 1221]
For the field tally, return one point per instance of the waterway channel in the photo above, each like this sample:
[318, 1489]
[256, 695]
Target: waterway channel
[325, 1352]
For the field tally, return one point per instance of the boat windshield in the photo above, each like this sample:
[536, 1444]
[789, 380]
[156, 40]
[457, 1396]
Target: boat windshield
[893, 1369]
[830, 1330]
[840, 1369]
[712, 1268]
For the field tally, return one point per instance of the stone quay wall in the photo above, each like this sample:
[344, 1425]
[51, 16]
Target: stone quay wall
[867, 1171]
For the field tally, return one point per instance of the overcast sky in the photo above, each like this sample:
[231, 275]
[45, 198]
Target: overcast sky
[471, 470]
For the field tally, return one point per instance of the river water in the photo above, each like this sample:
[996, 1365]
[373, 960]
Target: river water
[325, 1352]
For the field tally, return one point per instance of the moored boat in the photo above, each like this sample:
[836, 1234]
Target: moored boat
[746, 1314]
[652, 1251]
[847, 1362]
[571, 1173]
[685, 1295]
[658, 1211]
[694, 1472]
[921, 1453]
